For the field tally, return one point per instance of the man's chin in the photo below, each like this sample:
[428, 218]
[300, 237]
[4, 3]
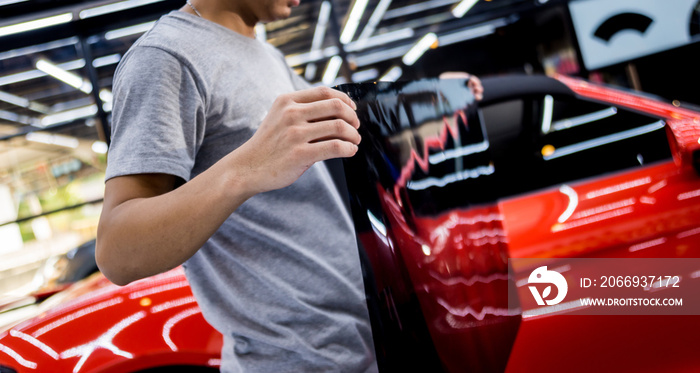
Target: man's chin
[280, 14]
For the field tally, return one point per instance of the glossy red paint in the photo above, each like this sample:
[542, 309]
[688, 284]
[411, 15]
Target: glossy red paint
[100, 327]
[607, 217]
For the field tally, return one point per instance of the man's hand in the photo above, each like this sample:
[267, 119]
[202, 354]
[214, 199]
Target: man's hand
[301, 128]
[474, 83]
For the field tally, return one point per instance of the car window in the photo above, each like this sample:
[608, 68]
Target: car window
[543, 141]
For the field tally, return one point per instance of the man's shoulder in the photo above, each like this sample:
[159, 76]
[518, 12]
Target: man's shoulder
[174, 43]
[173, 34]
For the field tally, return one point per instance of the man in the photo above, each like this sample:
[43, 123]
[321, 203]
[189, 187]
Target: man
[214, 163]
[197, 161]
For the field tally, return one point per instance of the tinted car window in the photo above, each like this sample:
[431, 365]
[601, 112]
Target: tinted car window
[548, 140]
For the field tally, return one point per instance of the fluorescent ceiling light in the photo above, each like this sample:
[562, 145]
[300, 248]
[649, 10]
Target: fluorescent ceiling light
[302, 58]
[107, 99]
[21, 77]
[392, 75]
[332, 69]
[65, 76]
[428, 21]
[382, 39]
[14, 117]
[321, 25]
[391, 53]
[446, 39]
[39, 108]
[307, 57]
[14, 100]
[36, 24]
[374, 20]
[69, 115]
[417, 8]
[319, 35]
[310, 71]
[419, 48]
[358, 9]
[32, 49]
[384, 55]
[106, 95]
[8, 2]
[131, 30]
[107, 60]
[23, 102]
[463, 7]
[114, 7]
[51, 139]
[472, 32]
[33, 74]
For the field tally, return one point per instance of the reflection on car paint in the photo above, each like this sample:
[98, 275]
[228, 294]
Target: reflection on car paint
[149, 323]
[104, 341]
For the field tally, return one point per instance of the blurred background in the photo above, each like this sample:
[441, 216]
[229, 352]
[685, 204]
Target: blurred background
[57, 59]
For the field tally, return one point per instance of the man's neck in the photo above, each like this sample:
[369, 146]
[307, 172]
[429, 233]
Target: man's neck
[236, 20]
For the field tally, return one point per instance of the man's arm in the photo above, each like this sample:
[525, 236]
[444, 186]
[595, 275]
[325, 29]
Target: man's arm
[148, 227]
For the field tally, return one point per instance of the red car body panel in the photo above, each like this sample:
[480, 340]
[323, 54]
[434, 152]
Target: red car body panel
[105, 328]
[651, 211]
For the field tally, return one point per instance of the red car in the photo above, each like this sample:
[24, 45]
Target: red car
[442, 198]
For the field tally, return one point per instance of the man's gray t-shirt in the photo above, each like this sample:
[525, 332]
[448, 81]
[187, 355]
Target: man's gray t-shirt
[281, 278]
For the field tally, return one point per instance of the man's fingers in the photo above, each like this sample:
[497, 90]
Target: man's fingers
[319, 94]
[454, 75]
[331, 129]
[330, 149]
[331, 109]
[476, 87]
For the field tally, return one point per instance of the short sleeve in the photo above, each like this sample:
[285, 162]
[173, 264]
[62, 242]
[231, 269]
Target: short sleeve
[158, 116]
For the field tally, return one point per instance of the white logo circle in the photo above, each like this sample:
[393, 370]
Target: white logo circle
[542, 276]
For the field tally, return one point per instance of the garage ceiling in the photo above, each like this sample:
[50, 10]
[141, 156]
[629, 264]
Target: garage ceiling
[88, 38]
